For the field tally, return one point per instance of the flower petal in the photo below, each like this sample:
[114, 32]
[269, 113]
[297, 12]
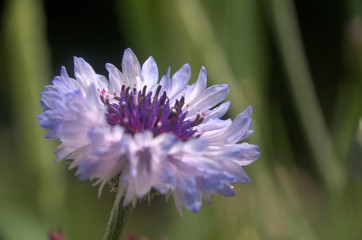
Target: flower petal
[131, 68]
[208, 99]
[179, 81]
[199, 87]
[149, 73]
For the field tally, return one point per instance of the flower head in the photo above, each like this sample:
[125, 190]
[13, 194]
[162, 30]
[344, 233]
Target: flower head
[148, 134]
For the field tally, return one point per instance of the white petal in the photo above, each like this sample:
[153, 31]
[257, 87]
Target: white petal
[200, 86]
[149, 73]
[116, 78]
[131, 67]
[143, 181]
[227, 191]
[85, 74]
[219, 111]
[248, 154]
[166, 82]
[209, 98]
[94, 102]
[179, 81]
[213, 127]
[236, 130]
[202, 164]
[236, 170]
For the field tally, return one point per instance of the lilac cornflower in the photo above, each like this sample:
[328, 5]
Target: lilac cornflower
[147, 134]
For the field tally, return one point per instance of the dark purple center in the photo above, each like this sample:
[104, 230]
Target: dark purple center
[138, 111]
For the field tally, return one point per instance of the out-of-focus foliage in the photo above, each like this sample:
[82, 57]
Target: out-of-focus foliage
[298, 63]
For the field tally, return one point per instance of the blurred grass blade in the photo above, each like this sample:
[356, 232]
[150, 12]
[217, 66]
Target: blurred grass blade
[212, 53]
[289, 42]
[288, 38]
[28, 64]
[349, 108]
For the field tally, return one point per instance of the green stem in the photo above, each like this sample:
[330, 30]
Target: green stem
[117, 222]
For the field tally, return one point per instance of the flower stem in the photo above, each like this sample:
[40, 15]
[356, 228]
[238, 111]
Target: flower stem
[117, 222]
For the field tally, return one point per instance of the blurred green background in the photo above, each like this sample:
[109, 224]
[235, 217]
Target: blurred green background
[299, 63]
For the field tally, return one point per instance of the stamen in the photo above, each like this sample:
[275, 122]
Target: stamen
[198, 119]
[102, 99]
[179, 103]
[182, 100]
[158, 116]
[112, 109]
[158, 128]
[173, 113]
[176, 104]
[121, 109]
[173, 118]
[126, 92]
[163, 98]
[156, 93]
[139, 111]
[144, 91]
